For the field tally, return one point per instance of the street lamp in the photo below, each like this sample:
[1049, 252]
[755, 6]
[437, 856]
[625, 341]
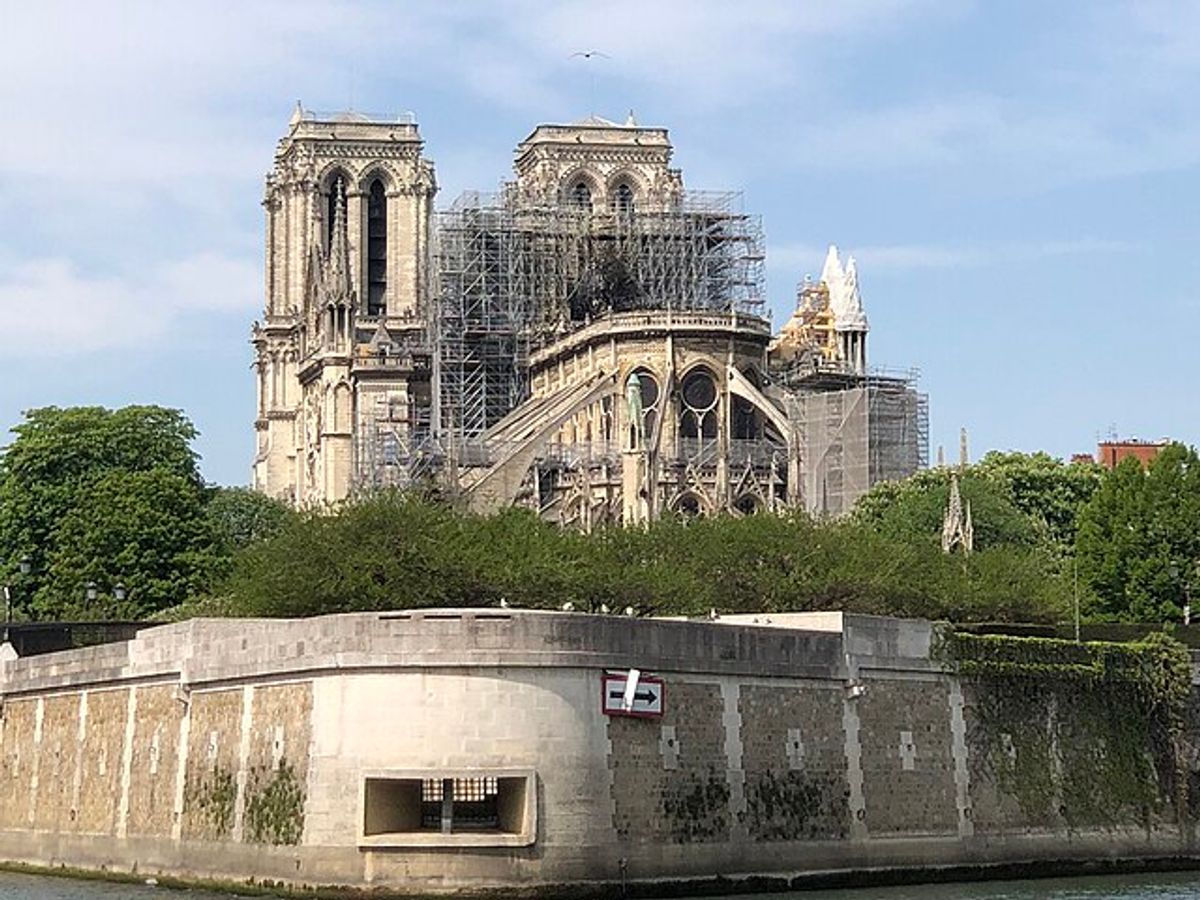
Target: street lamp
[119, 591]
[1174, 573]
[90, 592]
[23, 567]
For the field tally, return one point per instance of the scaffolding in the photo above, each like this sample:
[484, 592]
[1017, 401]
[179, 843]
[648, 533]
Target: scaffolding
[515, 276]
[855, 431]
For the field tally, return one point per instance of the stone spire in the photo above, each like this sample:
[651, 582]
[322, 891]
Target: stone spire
[957, 528]
[336, 276]
[851, 316]
[314, 266]
[845, 307]
[833, 276]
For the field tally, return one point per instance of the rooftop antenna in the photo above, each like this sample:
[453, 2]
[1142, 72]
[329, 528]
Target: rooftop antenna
[588, 56]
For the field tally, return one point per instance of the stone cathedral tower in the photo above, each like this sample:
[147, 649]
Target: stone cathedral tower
[341, 343]
[590, 342]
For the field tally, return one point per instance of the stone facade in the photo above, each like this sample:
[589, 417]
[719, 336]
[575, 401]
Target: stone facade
[347, 273]
[318, 752]
[590, 342]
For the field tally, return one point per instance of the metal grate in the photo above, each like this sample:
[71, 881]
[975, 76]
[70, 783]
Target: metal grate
[473, 803]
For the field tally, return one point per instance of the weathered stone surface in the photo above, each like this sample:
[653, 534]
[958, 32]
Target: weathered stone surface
[795, 762]
[240, 750]
[154, 762]
[19, 761]
[672, 789]
[213, 764]
[908, 769]
[100, 762]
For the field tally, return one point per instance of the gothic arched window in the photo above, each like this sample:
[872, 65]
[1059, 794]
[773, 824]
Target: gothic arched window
[376, 250]
[698, 407]
[623, 199]
[581, 196]
[641, 396]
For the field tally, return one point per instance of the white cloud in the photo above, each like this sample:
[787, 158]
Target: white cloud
[53, 310]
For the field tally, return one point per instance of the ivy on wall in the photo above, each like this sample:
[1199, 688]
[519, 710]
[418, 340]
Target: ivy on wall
[1086, 734]
[212, 797]
[275, 807]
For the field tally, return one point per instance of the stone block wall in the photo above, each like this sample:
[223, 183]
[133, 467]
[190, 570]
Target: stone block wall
[154, 762]
[670, 776]
[101, 745]
[56, 755]
[907, 767]
[242, 752]
[18, 759]
[213, 756]
[794, 757]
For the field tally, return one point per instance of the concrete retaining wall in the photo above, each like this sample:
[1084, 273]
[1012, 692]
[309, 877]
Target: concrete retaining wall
[240, 749]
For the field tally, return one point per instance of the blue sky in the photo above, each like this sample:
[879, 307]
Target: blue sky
[1018, 180]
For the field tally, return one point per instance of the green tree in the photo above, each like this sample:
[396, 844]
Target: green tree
[145, 530]
[90, 494]
[1045, 488]
[1023, 499]
[388, 551]
[240, 517]
[1138, 543]
[395, 551]
[913, 509]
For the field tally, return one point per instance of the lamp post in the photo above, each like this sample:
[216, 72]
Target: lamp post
[1186, 584]
[23, 568]
[1075, 595]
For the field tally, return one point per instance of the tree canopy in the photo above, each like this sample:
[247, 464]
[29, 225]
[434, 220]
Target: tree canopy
[399, 551]
[1138, 542]
[108, 497]
[1017, 500]
[101, 497]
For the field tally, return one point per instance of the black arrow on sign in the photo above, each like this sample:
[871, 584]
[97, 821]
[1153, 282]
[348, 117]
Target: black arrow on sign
[648, 695]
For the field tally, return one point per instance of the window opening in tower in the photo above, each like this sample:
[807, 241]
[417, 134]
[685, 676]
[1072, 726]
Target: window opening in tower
[376, 250]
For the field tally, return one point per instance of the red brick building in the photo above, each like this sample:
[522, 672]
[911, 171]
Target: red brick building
[1110, 453]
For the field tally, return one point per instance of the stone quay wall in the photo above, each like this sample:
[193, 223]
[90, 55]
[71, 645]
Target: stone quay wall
[314, 752]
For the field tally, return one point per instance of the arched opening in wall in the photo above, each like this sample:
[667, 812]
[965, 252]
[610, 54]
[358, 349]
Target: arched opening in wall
[747, 504]
[581, 196]
[642, 399]
[698, 402]
[746, 420]
[343, 402]
[689, 506]
[623, 199]
[335, 204]
[376, 249]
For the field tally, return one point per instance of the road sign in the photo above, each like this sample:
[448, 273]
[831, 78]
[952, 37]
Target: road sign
[632, 694]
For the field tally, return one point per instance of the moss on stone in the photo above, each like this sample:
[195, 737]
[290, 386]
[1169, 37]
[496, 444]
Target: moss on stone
[275, 807]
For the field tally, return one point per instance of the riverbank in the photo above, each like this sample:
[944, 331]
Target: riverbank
[718, 886]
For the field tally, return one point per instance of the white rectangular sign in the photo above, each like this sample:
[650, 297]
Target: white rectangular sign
[632, 694]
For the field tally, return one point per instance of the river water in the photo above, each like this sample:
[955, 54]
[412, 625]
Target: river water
[1139, 887]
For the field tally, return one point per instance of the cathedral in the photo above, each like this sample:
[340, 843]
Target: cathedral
[591, 341]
